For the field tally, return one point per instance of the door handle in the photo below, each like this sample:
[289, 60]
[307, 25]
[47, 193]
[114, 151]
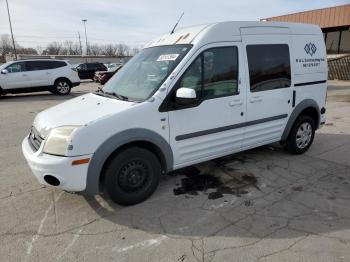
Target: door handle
[235, 103]
[24, 75]
[255, 99]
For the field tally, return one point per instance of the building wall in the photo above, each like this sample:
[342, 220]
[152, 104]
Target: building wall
[334, 22]
[327, 17]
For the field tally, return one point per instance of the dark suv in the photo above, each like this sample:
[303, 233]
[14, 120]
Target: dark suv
[87, 70]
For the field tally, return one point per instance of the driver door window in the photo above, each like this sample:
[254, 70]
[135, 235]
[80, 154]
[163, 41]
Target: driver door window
[213, 74]
[16, 67]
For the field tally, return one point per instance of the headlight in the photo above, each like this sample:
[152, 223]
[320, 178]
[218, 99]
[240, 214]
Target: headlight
[58, 140]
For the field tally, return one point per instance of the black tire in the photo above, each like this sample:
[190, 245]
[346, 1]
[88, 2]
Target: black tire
[299, 143]
[132, 176]
[62, 87]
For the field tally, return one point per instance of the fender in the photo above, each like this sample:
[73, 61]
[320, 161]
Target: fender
[116, 141]
[296, 112]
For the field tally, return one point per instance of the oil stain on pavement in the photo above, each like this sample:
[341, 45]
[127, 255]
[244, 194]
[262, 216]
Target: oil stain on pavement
[194, 182]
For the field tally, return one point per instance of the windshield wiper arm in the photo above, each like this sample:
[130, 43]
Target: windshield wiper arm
[120, 97]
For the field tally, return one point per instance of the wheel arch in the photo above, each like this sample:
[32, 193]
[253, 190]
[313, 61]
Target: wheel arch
[63, 78]
[308, 107]
[133, 137]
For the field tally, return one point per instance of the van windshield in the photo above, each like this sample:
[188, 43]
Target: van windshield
[141, 77]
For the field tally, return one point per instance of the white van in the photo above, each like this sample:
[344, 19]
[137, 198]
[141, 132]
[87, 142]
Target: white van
[197, 94]
[36, 75]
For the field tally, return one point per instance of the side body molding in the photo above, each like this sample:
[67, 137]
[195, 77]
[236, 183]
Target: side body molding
[116, 141]
[296, 112]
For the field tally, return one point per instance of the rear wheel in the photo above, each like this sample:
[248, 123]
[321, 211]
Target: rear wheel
[301, 136]
[62, 87]
[132, 176]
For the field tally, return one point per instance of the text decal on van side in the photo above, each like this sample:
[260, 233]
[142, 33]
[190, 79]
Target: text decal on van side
[310, 49]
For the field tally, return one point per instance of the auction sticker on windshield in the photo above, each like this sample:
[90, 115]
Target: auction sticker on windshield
[167, 57]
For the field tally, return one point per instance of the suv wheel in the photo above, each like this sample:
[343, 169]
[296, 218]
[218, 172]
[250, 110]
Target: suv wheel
[62, 87]
[132, 176]
[301, 136]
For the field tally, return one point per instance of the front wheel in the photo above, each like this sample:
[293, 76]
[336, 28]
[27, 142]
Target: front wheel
[301, 136]
[62, 87]
[132, 176]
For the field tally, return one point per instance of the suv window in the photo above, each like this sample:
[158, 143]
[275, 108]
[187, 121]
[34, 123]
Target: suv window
[269, 67]
[38, 65]
[213, 74]
[16, 67]
[91, 66]
[57, 64]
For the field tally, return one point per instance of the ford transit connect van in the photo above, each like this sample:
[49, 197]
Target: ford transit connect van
[197, 94]
[25, 76]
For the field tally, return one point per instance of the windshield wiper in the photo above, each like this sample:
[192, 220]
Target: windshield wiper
[100, 92]
[118, 96]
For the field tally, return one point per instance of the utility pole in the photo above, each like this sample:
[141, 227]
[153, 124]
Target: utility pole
[13, 40]
[81, 49]
[87, 50]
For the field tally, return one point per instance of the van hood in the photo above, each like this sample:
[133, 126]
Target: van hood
[78, 111]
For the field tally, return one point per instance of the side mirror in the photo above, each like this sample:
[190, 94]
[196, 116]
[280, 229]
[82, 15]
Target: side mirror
[4, 71]
[186, 96]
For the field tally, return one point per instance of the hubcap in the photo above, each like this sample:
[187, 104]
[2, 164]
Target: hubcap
[62, 87]
[133, 176]
[304, 135]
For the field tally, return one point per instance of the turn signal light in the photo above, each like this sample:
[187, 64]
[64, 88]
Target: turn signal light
[80, 161]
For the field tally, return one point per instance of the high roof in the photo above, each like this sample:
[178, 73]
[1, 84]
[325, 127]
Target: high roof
[228, 31]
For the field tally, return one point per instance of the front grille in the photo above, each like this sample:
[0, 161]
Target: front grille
[35, 139]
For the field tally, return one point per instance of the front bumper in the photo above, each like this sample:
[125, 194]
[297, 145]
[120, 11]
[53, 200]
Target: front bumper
[71, 178]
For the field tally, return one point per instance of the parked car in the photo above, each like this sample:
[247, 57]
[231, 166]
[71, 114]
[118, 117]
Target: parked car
[51, 75]
[103, 76]
[200, 93]
[88, 70]
[113, 66]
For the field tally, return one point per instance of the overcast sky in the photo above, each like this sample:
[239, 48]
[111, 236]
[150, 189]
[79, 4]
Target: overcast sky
[38, 22]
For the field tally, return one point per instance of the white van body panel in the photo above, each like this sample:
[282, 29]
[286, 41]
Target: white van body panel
[214, 128]
[223, 111]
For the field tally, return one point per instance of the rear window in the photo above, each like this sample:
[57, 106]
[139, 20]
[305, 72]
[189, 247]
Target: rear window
[57, 64]
[269, 67]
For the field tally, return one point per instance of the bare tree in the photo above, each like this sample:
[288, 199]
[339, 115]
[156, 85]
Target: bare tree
[134, 51]
[110, 50]
[5, 46]
[122, 50]
[26, 51]
[70, 48]
[39, 50]
[95, 49]
[55, 48]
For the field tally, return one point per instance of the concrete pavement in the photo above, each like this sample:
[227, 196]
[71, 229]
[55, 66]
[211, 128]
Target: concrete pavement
[278, 207]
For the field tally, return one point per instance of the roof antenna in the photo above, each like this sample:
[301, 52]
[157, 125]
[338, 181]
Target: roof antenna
[172, 31]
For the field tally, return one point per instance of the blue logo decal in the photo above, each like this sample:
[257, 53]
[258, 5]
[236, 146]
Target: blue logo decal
[310, 49]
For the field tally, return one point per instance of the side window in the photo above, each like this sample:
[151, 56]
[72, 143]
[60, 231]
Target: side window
[38, 65]
[269, 67]
[57, 64]
[90, 66]
[192, 78]
[213, 74]
[220, 72]
[16, 67]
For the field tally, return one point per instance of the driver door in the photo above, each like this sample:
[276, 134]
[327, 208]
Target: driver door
[212, 126]
[17, 76]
